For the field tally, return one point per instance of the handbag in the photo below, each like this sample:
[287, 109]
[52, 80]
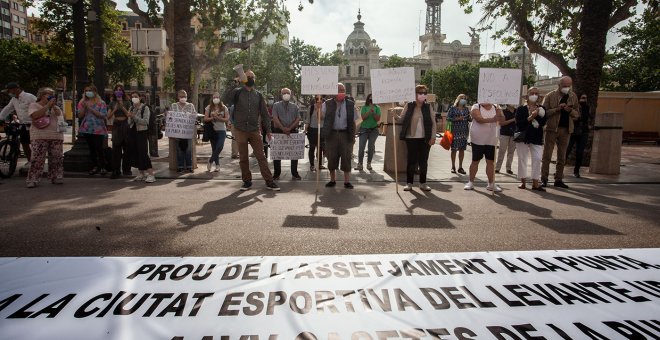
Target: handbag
[209, 132]
[519, 136]
[447, 137]
[42, 122]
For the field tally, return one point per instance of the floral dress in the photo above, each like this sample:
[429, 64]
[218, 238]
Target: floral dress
[459, 128]
[94, 125]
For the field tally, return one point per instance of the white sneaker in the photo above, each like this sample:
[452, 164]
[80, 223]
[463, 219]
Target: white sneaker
[425, 187]
[150, 179]
[209, 166]
[493, 187]
[468, 186]
[407, 187]
[215, 168]
[139, 178]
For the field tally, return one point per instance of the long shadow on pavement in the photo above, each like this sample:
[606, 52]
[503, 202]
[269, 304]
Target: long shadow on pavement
[517, 205]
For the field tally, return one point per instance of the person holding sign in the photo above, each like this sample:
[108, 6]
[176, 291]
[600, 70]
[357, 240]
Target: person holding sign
[370, 113]
[250, 112]
[483, 134]
[418, 131]
[218, 115]
[339, 132]
[312, 130]
[285, 119]
[530, 120]
[562, 108]
[184, 151]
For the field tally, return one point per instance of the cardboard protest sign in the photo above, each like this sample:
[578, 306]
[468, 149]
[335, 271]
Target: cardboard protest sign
[319, 79]
[393, 85]
[287, 147]
[180, 125]
[499, 85]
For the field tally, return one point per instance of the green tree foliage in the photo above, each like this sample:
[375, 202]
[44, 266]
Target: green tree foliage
[30, 65]
[122, 67]
[394, 61]
[633, 65]
[309, 55]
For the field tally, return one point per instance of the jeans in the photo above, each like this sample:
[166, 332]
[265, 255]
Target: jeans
[184, 155]
[367, 135]
[216, 146]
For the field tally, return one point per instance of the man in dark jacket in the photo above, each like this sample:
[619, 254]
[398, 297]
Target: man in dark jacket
[339, 131]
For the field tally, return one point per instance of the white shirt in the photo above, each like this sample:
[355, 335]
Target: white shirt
[20, 105]
[484, 133]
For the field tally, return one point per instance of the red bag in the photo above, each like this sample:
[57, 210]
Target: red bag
[447, 138]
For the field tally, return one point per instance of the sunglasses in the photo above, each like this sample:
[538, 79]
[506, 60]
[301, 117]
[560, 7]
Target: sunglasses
[422, 93]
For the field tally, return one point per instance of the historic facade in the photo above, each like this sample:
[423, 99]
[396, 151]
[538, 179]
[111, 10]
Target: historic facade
[363, 53]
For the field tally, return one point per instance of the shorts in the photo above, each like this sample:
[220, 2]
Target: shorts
[479, 151]
[24, 134]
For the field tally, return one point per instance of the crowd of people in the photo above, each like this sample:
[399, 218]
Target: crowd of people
[532, 131]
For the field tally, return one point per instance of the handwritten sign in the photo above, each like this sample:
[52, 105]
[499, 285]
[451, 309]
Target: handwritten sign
[499, 85]
[393, 85]
[287, 147]
[180, 125]
[319, 79]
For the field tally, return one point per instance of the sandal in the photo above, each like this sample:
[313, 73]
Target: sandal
[522, 186]
[461, 171]
[453, 170]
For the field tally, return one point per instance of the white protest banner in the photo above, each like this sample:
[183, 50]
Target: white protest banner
[499, 85]
[391, 85]
[319, 79]
[569, 294]
[180, 125]
[287, 147]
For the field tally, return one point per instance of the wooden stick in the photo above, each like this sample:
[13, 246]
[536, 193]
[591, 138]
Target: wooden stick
[396, 168]
[318, 146]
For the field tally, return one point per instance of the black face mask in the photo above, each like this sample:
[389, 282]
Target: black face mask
[250, 82]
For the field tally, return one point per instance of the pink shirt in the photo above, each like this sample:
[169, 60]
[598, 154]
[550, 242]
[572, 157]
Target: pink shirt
[49, 132]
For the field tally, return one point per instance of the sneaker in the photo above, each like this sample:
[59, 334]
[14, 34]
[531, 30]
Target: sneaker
[150, 179]
[493, 187]
[407, 187]
[359, 167]
[209, 166]
[330, 184]
[468, 186]
[461, 171]
[272, 186]
[561, 184]
[312, 168]
[179, 170]
[425, 187]
[139, 178]
[348, 185]
[246, 185]
[190, 170]
[215, 168]
[369, 166]
[509, 172]
[296, 177]
[57, 181]
[453, 170]
[31, 185]
[576, 174]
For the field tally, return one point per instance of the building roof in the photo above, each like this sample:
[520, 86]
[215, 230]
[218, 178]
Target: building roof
[359, 35]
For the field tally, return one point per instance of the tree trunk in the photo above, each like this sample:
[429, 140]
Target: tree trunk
[182, 41]
[591, 56]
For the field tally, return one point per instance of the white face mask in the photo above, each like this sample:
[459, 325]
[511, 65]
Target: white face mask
[286, 97]
[183, 100]
[136, 100]
[216, 101]
[565, 90]
[533, 98]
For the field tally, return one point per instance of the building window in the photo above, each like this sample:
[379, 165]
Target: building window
[138, 25]
[15, 17]
[22, 20]
[349, 89]
[361, 50]
[23, 32]
[348, 70]
[17, 31]
[21, 8]
[361, 70]
[360, 89]
[422, 72]
[124, 26]
[15, 5]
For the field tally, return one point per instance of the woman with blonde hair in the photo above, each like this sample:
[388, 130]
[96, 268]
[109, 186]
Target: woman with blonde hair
[459, 116]
[530, 120]
[46, 138]
[93, 111]
[217, 114]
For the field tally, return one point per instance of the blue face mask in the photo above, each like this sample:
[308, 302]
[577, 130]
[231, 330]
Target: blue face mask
[89, 94]
[462, 101]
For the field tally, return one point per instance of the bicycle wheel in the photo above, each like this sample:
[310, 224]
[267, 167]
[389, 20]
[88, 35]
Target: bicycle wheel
[8, 158]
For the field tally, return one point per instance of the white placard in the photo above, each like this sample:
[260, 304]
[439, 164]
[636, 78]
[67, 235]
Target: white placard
[483, 295]
[287, 147]
[319, 79]
[499, 85]
[180, 124]
[392, 85]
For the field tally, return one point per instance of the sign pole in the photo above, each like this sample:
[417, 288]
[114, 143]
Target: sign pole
[396, 168]
[318, 146]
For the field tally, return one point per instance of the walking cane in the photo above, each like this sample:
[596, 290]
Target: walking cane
[396, 170]
[318, 147]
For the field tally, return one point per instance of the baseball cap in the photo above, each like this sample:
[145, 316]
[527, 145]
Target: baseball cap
[11, 85]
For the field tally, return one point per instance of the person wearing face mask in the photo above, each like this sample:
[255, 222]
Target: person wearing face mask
[370, 114]
[217, 114]
[483, 134]
[507, 145]
[285, 120]
[561, 108]
[19, 103]
[250, 118]
[93, 112]
[312, 131]
[530, 120]
[418, 129]
[339, 132]
[138, 123]
[184, 146]
[459, 116]
[580, 135]
[46, 141]
[118, 115]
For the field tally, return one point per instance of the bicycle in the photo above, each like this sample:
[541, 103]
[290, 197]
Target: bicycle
[9, 150]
